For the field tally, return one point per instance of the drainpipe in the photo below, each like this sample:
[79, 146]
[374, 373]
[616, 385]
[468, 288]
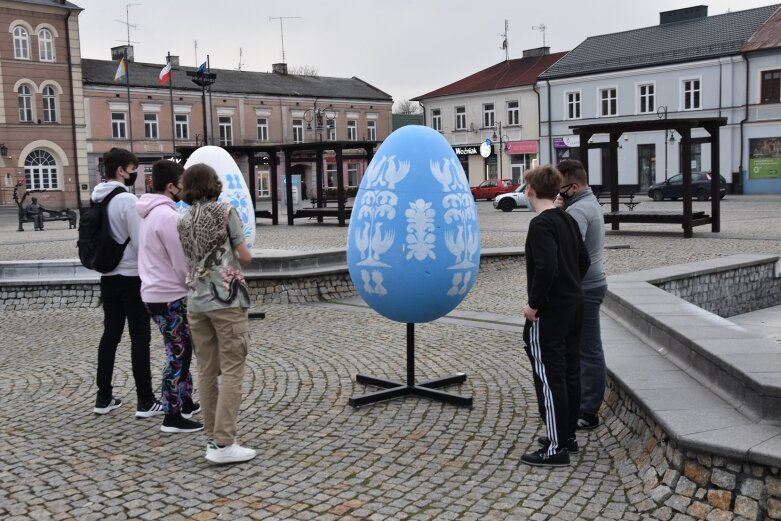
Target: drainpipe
[550, 127]
[742, 123]
[539, 118]
[423, 108]
[73, 110]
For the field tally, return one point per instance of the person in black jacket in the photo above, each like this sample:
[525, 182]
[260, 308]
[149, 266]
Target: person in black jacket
[556, 261]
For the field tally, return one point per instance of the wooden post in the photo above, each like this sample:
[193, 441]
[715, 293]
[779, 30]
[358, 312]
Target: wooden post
[686, 154]
[715, 179]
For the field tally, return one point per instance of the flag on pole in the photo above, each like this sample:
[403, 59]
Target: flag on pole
[202, 69]
[165, 74]
[121, 73]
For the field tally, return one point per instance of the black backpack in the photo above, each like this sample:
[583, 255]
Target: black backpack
[97, 249]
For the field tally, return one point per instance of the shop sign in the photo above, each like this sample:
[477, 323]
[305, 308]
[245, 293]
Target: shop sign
[521, 147]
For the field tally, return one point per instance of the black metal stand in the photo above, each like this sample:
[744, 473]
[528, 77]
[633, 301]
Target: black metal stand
[427, 389]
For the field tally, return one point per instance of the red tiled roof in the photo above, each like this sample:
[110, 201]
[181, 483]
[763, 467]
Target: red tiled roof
[512, 73]
[768, 36]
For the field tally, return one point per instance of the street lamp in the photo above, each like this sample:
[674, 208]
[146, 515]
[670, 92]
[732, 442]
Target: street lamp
[203, 80]
[317, 115]
[502, 139]
[669, 135]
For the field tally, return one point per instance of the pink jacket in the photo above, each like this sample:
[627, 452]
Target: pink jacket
[162, 265]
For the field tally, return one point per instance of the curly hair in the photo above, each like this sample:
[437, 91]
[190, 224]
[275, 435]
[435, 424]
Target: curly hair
[199, 182]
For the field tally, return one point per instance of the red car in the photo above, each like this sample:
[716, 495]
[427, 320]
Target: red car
[492, 187]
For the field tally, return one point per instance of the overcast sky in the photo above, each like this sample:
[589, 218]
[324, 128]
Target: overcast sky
[403, 47]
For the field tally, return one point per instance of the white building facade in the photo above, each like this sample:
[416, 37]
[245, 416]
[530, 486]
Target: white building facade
[710, 80]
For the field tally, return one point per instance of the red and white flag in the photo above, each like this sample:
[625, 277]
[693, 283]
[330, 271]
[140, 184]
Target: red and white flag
[165, 74]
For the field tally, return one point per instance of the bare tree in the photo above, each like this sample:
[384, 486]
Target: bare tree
[304, 70]
[406, 106]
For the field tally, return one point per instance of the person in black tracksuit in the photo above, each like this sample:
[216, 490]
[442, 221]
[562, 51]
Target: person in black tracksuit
[556, 261]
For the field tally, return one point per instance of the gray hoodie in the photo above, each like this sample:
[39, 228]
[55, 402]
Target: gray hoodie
[124, 221]
[585, 209]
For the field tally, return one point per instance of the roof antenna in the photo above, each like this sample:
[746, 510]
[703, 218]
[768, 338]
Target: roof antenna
[127, 23]
[281, 31]
[241, 53]
[540, 28]
[505, 43]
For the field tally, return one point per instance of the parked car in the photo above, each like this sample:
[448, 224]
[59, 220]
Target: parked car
[512, 200]
[673, 187]
[490, 188]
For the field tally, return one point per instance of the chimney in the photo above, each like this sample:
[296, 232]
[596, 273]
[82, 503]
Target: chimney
[173, 59]
[539, 51]
[279, 68]
[681, 15]
[119, 52]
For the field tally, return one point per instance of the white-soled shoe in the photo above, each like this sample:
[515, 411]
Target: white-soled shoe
[228, 454]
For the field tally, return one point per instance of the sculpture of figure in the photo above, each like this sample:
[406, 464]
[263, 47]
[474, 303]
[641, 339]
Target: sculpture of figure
[35, 212]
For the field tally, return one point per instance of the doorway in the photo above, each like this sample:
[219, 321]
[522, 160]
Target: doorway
[646, 166]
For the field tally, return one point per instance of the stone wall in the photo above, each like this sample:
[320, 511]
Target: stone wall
[284, 289]
[679, 484]
[730, 292]
[49, 296]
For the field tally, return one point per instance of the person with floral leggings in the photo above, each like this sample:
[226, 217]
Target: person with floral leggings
[163, 270]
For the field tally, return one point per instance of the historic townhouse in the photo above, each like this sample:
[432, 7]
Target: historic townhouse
[242, 108]
[498, 104]
[42, 141]
[690, 65]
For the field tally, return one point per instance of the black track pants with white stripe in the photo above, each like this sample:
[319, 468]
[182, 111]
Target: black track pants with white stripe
[552, 343]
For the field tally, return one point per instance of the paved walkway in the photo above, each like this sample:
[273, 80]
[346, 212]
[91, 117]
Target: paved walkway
[319, 458]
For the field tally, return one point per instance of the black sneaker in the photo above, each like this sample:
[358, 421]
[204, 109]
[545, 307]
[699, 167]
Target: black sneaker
[106, 405]
[541, 458]
[152, 409]
[176, 423]
[587, 421]
[571, 445]
[189, 408]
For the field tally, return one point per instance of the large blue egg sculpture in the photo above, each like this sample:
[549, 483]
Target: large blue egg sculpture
[413, 245]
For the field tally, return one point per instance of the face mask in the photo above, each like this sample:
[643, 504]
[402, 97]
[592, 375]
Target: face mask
[130, 181]
[563, 194]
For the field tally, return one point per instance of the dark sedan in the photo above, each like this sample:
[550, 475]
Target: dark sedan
[673, 187]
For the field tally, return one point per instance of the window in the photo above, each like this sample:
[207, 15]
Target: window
[25, 103]
[21, 43]
[330, 177]
[40, 171]
[331, 127]
[513, 113]
[182, 122]
[371, 131]
[436, 119]
[771, 86]
[298, 131]
[352, 174]
[262, 129]
[118, 125]
[45, 45]
[647, 101]
[573, 105]
[352, 130]
[607, 102]
[488, 115]
[49, 104]
[226, 130]
[460, 118]
[691, 95]
[150, 126]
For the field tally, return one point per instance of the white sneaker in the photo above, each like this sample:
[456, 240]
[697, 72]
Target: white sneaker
[229, 454]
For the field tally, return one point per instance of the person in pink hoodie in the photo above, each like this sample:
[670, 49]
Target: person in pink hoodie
[162, 267]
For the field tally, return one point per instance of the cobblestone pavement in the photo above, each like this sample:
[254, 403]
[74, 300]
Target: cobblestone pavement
[318, 457]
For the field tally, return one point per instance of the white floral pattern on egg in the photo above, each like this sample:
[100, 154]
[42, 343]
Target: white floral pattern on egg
[413, 244]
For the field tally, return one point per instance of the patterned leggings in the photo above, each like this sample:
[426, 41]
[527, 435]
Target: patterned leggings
[171, 318]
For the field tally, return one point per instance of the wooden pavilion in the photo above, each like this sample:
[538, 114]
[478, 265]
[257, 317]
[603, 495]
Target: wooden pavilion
[297, 152]
[684, 126]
